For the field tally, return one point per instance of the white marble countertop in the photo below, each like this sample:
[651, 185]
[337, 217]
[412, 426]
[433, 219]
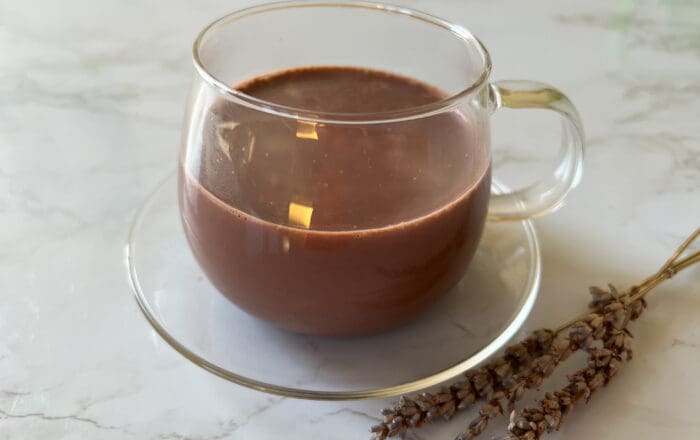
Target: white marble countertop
[91, 97]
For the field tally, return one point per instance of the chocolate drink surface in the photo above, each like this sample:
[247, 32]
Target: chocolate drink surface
[334, 229]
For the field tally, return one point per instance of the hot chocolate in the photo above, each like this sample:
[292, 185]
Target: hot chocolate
[334, 229]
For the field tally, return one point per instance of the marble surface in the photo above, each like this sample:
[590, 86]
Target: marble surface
[91, 97]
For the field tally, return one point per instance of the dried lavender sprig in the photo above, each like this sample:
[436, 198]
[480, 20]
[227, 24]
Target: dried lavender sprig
[618, 309]
[582, 335]
[533, 422]
[609, 325]
[483, 384]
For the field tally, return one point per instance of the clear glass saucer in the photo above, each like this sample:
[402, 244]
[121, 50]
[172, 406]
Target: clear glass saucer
[470, 323]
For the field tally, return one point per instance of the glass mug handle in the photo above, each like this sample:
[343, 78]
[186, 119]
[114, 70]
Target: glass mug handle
[548, 194]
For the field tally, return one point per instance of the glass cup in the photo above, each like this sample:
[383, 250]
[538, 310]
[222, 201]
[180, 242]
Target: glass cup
[349, 222]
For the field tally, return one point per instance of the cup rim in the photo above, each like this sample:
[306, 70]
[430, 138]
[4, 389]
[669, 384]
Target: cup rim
[343, 118]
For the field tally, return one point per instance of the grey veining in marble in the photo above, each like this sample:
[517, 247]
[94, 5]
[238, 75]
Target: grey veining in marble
[91, 97]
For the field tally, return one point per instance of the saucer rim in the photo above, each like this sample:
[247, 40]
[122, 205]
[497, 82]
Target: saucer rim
[527, 302]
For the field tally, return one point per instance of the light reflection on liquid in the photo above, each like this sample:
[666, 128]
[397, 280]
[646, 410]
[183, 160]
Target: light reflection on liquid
[300, 215]
[306, 130]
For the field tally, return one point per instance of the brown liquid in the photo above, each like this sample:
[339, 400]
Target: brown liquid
[334, 229]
